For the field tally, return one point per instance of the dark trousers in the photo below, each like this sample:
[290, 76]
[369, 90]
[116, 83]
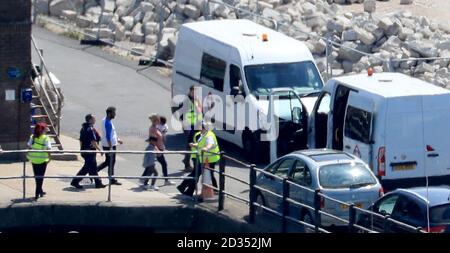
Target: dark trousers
[39, 170]
[189, 138]
[108, 162]
[187, 186]
[162, 160]
[89, 167]
[149, 171]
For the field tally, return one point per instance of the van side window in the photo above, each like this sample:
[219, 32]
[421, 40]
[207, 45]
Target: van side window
[212, 72]
[358, 124]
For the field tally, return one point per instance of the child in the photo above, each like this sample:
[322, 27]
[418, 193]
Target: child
[162, 127]
[149, 164]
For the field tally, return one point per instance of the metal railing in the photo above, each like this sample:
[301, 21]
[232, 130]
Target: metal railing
[45, 81]
[110, 176]
[287, 201]
[255, 189]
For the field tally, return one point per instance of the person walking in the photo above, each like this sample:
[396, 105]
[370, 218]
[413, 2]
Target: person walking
[149, 164]
[192, 114]
[89, 139]
[209, 149]
[39, 160]
[163, 128]
[109, 141]
[154, 132]
[187, 186]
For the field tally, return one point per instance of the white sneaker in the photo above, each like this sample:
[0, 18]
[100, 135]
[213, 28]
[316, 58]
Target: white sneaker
[169, 182]
[154, 188]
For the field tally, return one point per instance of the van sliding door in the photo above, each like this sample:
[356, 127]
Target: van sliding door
[436, 117]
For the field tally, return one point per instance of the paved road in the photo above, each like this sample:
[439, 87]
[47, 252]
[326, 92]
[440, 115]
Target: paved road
[93, 79]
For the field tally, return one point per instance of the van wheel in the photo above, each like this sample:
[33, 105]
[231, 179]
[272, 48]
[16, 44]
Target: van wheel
[307, 218]
[250, 147]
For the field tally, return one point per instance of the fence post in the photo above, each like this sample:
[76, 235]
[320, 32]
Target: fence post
[385, 223]
[34, 11]
[41, 62]
[206, 13]
[351, 218]
[285, 205]
[161, 25]
[252, 196]
[221, 181]
[329, 50]
[109, 174]
[102, 5]
[59, 116]
[197, 171]
[317, 203]
[24, 187]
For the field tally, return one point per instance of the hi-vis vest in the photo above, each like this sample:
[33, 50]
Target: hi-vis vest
[39, 144]
[194, 149]
[213, 154]
[192, 116]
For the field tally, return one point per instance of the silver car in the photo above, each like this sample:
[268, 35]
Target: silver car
[336, 174]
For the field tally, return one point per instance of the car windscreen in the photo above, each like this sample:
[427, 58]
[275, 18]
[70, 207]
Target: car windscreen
[440, 214]
[347, 175]
[303, 77]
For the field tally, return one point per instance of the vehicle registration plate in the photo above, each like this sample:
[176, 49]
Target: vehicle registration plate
[404, 167]
[345, 207]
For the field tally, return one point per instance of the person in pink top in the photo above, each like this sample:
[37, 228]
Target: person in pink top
[155, 132]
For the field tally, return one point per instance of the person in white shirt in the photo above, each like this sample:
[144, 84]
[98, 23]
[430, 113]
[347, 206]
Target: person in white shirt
[109, 141]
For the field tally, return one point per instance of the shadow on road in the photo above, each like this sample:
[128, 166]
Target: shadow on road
[73, 189]
[137, 189]
[25, 200]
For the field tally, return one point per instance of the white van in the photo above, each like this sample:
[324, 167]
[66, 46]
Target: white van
[397, 124]
[239, 57]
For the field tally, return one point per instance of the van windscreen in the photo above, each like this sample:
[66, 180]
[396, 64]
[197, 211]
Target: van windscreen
[303, 77]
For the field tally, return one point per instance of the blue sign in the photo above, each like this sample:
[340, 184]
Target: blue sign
[14, 72]
[27, 95]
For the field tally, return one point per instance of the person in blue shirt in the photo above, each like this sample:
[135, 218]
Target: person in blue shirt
[89, 138]
[109, 141]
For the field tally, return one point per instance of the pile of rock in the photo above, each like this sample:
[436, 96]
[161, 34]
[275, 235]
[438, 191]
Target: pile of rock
[398, 36]
[362, 1]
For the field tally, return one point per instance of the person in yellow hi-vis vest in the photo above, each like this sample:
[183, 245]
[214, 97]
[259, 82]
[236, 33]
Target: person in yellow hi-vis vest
[192, 115]
[209, 149]
[39, 160]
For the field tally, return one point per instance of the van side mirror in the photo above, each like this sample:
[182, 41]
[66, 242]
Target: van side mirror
[237, 90]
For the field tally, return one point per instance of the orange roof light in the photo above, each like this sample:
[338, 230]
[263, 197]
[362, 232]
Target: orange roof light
[370, 71]
[264, 37]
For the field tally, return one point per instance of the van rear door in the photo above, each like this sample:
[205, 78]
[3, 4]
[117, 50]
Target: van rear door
[358, 126]
[404, 153]
[436, 116]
